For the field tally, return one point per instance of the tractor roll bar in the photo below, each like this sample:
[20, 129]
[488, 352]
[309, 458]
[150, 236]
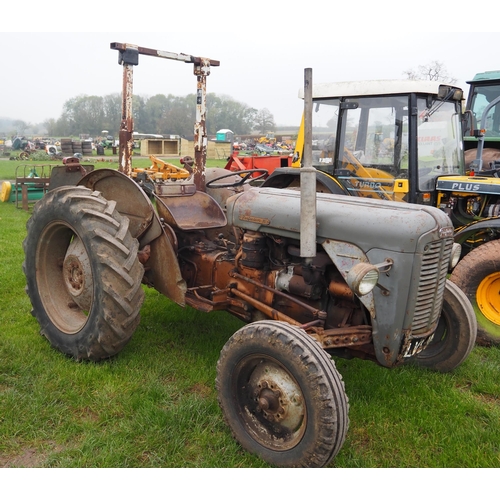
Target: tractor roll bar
[129, 57]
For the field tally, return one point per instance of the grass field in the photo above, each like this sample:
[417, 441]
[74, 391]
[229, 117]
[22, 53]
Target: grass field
[155, 405]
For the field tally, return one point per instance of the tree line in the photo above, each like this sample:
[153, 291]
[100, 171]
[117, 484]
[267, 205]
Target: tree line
[159, 114]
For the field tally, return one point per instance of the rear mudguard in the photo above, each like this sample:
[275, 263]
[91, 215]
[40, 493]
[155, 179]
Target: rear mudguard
[145, 225]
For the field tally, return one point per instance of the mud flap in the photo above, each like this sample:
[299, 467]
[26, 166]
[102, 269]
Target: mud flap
[166, 277]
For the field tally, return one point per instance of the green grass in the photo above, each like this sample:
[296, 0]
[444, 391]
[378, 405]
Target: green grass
[9, 169]
[155, 405]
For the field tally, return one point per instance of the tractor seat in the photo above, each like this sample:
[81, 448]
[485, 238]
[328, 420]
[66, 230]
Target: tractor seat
[189, 213]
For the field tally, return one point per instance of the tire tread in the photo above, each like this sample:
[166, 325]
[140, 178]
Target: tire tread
[333, 404]
[120, 272]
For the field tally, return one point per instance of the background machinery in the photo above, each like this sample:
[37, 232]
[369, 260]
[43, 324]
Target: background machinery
[402, 141]
[482, 125]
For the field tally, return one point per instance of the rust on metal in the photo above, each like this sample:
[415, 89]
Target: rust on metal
[317, 313]
[267, 310]
[128, 58]
[201, 71]
[127, 122]
[163, 270]
[351, 336]
[202, 212]
[131, 201]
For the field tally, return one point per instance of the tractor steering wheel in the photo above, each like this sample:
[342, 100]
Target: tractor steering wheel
[246, 176]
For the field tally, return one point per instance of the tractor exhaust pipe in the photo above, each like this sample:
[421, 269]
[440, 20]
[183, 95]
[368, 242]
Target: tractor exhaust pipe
[307, 180]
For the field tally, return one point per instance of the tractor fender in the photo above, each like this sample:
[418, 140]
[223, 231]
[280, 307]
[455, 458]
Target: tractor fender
[145, 225]
[130, 200]
[465, 232]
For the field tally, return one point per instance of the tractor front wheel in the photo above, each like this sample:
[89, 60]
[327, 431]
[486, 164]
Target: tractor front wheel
[455, 334]
[83, 274]
[282, 396]
[478, 275]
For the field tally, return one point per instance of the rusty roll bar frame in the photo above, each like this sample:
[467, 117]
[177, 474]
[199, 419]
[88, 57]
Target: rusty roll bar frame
[128, 57]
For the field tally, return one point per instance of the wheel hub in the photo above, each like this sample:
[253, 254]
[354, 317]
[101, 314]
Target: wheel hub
[74, 275]
[78, 275]
[278, 398]
[269, 402]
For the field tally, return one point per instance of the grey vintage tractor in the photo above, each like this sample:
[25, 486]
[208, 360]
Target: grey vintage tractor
[313, 275]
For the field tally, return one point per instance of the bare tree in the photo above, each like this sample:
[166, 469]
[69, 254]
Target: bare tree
[435, 70]
[264, 121]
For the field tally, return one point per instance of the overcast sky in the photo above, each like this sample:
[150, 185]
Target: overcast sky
[262, 53]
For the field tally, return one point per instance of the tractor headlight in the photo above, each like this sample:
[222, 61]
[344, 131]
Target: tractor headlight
[456, 251]
[362, 278]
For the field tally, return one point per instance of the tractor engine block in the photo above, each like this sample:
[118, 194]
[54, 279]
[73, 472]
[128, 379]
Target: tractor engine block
[268, 272]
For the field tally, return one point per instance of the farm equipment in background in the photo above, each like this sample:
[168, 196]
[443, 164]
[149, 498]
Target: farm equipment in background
[238, 163]
[31, 184]
[402, 141]
[482, 129]
[54, 151]
[161, 170]
[269, 138]
[28, 147]
[312, 274]
[108, 142]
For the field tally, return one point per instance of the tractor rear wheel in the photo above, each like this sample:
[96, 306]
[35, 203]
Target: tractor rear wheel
[478, 275]
[282, 396]
[83, 274]
[455, 334]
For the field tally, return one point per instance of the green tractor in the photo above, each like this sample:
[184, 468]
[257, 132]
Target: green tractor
[482, 131]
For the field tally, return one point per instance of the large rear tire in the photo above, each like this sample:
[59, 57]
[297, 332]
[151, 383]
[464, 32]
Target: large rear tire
[282, 396]
[478, 275]
[83, 274]
[455, 334]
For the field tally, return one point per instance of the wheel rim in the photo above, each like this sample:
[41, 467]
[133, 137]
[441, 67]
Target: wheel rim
[488, 297]
[270, 403]
[438, 341]
[64, 278]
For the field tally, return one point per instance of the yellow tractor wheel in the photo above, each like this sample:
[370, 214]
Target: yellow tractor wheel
[478, 275]
[488, 297]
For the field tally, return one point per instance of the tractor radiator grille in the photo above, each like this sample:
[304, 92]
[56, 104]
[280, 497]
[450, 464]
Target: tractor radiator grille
[432, 284]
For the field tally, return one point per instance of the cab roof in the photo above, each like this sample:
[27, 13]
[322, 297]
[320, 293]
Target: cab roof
[486, 75]
[377, 87]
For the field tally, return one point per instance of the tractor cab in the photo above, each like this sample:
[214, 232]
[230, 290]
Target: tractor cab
[390, 139]
[482, 122]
